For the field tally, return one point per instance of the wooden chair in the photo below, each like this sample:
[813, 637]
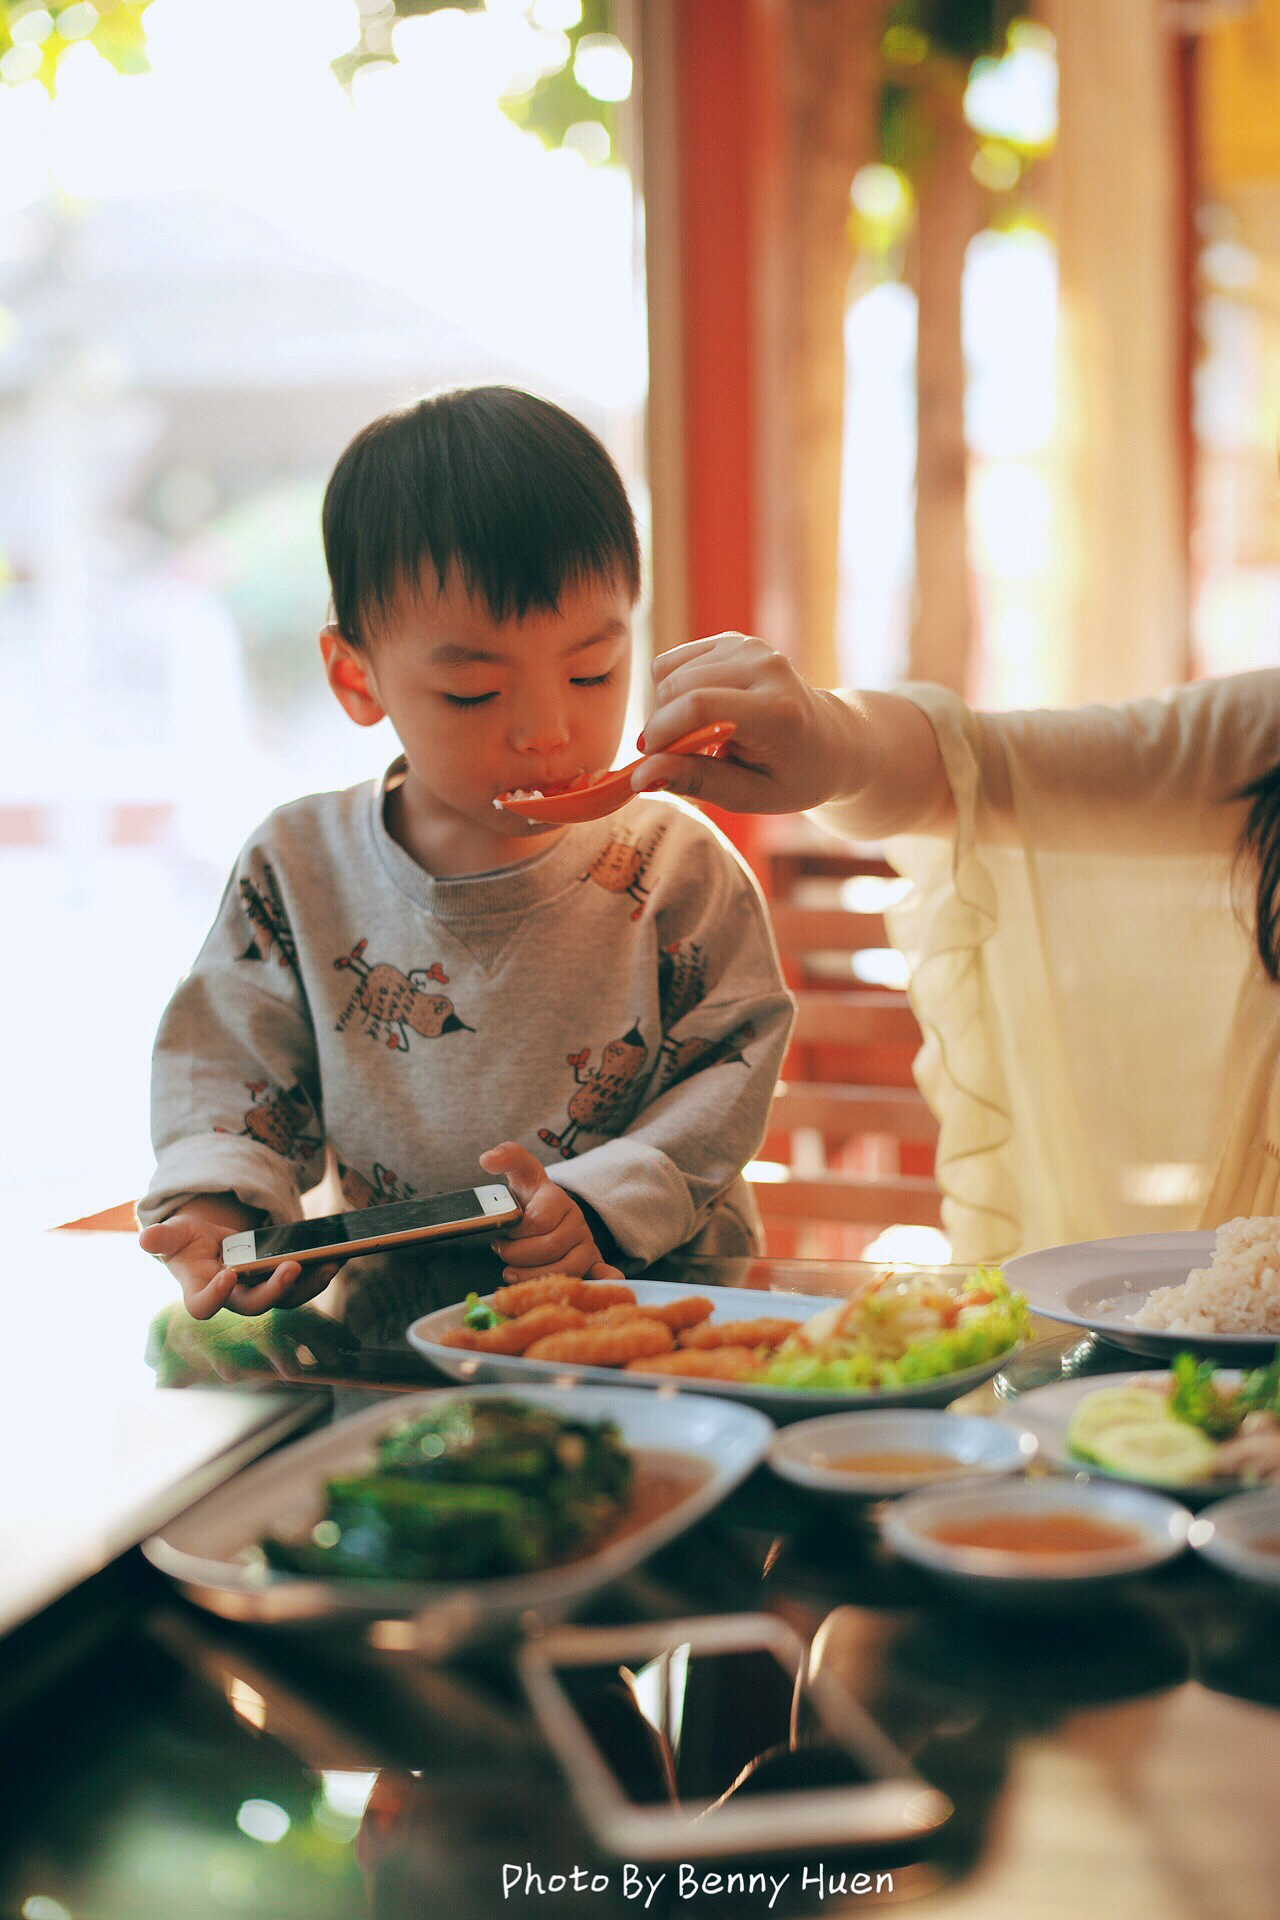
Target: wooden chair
[850, 1145]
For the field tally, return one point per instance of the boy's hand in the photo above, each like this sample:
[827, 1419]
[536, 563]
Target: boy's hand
[552, 1236]
[190, 1244]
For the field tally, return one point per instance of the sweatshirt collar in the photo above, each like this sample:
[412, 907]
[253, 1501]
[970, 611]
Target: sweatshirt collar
[499, 891]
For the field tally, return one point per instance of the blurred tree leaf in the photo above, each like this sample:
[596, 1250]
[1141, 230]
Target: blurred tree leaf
[956, 29]
[554, 103]
[31, 47]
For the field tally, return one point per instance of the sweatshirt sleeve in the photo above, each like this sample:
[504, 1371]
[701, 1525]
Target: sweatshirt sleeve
[235, 1098]
[726, 1019]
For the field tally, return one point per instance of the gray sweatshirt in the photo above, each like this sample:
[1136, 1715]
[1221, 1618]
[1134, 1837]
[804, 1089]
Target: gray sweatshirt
[614, 1004]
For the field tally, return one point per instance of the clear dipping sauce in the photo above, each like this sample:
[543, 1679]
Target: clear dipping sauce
[1067, 1531]
[892, 1461]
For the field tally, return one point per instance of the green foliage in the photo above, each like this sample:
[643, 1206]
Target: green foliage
[552, 105]
[961, 30]
[31, 46]
[31, 43]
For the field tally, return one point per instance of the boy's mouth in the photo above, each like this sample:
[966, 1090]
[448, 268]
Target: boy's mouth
[550, 787]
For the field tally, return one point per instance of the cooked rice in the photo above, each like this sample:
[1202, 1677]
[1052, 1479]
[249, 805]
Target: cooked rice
[1238, 1292]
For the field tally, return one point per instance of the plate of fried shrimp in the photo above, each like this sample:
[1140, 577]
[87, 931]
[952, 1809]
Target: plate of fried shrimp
[909, 1339]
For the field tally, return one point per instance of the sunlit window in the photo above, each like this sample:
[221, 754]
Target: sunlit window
[211, 274]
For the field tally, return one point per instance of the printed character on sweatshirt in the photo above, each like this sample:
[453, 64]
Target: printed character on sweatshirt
[620, 866]
[359, 1191]
[391, 1000]
[676, 1058]
[264, 910]
[606, 1096]
[277, 1121]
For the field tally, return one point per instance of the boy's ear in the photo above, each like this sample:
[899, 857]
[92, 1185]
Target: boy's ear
[349, 679]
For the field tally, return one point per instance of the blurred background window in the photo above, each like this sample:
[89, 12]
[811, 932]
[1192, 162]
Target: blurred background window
[232, 232]
[1145, 210]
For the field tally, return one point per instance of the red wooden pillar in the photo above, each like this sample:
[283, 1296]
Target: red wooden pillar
[726, 123]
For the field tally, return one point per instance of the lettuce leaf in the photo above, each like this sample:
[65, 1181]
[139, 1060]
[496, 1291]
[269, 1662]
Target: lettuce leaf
[990, 1330]
[1196, 1399]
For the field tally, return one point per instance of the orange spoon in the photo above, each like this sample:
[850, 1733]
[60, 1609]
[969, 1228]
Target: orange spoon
[592, 799]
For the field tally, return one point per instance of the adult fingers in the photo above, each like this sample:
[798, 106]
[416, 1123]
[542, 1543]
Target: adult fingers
[723, 783]
[671, 658]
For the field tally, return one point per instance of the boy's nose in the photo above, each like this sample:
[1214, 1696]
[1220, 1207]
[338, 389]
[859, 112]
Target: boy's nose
[542, 730]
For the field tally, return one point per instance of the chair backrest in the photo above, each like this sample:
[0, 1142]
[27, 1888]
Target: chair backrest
[850, 1145]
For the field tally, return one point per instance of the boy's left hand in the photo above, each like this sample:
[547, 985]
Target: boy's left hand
[552, 1235]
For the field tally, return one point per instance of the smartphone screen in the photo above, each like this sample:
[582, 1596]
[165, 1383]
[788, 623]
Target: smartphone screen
[463, 1209]
[693, 1730]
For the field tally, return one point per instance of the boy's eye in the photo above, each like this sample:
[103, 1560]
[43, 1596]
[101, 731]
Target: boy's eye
[470, 699]
[596, 680]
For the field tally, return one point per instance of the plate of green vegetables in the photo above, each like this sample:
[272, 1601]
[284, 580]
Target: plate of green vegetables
[1198, 1431]
[449, 1515]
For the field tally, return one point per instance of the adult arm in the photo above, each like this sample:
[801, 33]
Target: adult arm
[874, 755]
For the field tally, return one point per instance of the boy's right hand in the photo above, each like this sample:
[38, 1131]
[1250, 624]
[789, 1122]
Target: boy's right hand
[190, 1245]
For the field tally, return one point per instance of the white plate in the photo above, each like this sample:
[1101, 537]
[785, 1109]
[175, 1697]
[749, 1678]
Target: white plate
[981, 1448]
[731, 1303]
[1226, 1532]
[1002, 1577]
[1098, 1283]
[200, 1550]
[1046, 1412]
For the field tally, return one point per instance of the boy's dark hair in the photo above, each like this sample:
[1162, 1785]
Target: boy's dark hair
[512, 491]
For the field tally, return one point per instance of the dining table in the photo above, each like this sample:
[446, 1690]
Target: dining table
[1115, 1757]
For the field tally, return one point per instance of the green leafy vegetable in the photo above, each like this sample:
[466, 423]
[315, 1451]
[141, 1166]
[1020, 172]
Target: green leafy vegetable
[1194, 1398]
[478, 1315]
[905, 1333]
[481, 1487]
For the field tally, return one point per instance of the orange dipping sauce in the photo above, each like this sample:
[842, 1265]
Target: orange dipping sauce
[904, 1460]
[1269, 1545]
[1067, 1531]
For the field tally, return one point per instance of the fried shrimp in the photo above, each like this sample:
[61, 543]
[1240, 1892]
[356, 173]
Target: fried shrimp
[618, 1316]
[739, 1333]
[711, 1363]
[675, 1315]
[605, 1346]
[513, 1336]
[680, 1314]
[563, 1289]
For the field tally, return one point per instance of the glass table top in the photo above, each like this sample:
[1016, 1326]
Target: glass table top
[1118, 1759]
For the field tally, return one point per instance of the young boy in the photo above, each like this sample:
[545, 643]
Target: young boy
[404, 974]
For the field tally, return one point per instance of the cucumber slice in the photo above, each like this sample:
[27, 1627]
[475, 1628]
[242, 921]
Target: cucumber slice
[1112, 1407]
[1168, 1452]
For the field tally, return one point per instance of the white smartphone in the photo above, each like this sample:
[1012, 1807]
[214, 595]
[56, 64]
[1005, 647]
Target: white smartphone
[711, 1738]
[336, 1236]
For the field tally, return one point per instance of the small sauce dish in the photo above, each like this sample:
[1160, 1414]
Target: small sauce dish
[875, 1456]
[1035, 1540]
[1242, 1536]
